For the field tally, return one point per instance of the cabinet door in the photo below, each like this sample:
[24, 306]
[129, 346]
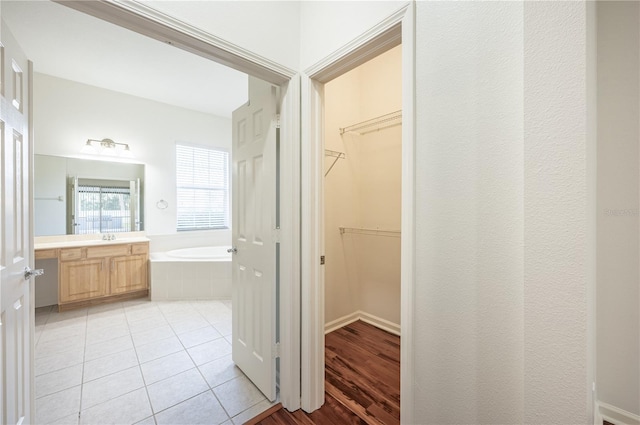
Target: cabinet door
[128, 274]
[82, 279]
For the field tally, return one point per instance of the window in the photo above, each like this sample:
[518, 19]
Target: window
[202, 183]
[103, 207]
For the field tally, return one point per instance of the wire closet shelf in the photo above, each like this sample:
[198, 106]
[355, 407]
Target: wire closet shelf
[375, 124]
[370, 232]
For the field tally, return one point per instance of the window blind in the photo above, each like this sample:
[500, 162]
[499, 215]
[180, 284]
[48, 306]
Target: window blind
[103, 209]
[202, 186]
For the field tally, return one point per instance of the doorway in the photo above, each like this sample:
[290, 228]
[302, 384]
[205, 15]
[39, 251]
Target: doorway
[362, 239]
[396, 30]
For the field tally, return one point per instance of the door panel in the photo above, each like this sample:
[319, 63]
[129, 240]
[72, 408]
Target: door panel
[254, 224]
[15, 228]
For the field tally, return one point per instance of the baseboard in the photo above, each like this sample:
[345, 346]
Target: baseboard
[341, 322]
[616, 415]
[376, 321]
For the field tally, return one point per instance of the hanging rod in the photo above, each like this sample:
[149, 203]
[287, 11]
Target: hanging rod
[59, 198]
[374, 124]
[372, 232]
[337, 155]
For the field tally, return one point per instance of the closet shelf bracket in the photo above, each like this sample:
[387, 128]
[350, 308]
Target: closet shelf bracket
[335, 154]
[374, 124]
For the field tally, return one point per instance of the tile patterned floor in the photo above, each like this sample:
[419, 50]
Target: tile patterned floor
[141, 362]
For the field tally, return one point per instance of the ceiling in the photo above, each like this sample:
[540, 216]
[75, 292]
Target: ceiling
[69, 44]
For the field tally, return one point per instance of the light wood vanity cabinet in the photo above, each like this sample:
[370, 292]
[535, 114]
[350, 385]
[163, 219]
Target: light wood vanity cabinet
[102, 273]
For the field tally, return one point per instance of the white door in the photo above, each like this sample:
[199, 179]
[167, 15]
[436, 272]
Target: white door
[254, 236]
[15, 249]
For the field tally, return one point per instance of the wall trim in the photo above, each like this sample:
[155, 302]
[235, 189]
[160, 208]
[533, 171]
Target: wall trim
[371, 319]
[145, 20]
[378, 39]
[616, 415]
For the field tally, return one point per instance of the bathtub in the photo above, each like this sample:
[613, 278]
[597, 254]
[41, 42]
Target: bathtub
[200, 273]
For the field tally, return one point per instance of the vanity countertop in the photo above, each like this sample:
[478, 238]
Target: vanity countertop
[72, 241]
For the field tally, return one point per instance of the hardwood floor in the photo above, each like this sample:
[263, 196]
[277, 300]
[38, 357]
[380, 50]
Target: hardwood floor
[362, 381]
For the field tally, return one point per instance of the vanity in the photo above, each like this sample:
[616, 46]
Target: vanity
[95, 271]
[88, 232]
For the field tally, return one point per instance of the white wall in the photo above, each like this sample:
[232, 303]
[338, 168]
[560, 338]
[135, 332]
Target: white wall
[326, 26]
[500, 296]
[67, 113]
[362, 272]
[267, 28]
[618, 292]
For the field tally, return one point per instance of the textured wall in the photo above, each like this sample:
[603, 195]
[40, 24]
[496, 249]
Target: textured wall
[555, 212]
[618, 294]
[469, 208]
[501, 241]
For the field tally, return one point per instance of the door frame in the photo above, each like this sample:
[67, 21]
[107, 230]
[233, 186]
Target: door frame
[147, 21]
[399, 28]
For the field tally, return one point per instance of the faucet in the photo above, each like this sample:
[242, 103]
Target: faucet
[108, 237]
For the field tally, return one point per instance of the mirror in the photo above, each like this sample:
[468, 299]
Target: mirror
[80, 196]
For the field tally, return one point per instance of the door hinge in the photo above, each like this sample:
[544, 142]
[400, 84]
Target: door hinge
[322, 260]
[278, 121]
[276, 350]
[276, 235]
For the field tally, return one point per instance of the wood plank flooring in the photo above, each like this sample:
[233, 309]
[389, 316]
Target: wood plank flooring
[362, 381]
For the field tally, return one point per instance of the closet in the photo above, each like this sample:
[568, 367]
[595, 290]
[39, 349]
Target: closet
[362, 194]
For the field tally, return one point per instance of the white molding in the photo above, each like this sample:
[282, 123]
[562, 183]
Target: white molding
[341, 322]
[371, 319]
[408, 227]
[375, 41]
[290, 247]
[380, 323]
[382, 37]
[616, 415]
[145, 20]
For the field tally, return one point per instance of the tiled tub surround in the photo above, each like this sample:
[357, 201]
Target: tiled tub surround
[140, 362]
[187, 278]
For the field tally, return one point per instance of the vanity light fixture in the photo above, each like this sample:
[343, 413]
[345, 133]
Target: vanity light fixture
[107, 147]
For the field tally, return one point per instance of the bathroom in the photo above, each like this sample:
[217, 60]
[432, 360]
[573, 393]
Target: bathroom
[168, 354]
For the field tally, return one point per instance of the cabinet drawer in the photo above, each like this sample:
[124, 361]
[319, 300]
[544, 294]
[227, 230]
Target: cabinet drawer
[140, 248]
[70, 254]
[108, 251]
[43, 254]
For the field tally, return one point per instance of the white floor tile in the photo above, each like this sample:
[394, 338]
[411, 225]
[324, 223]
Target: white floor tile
[107, 334]
[106, 348]
[190, 324]
[199, 336]
[176, 389]
[223, 327]
[111, 386]
[165, 367]
[113, 363]
[111, 339]
[251, 412]
[62, 379]
[126, 409]
[219, 371]
[46, 364]
[157, 349]
[148, 421]
[209, 351]
[58, 405]
[152, 335]
[203, 409]
[238, 395]
[137, 326]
